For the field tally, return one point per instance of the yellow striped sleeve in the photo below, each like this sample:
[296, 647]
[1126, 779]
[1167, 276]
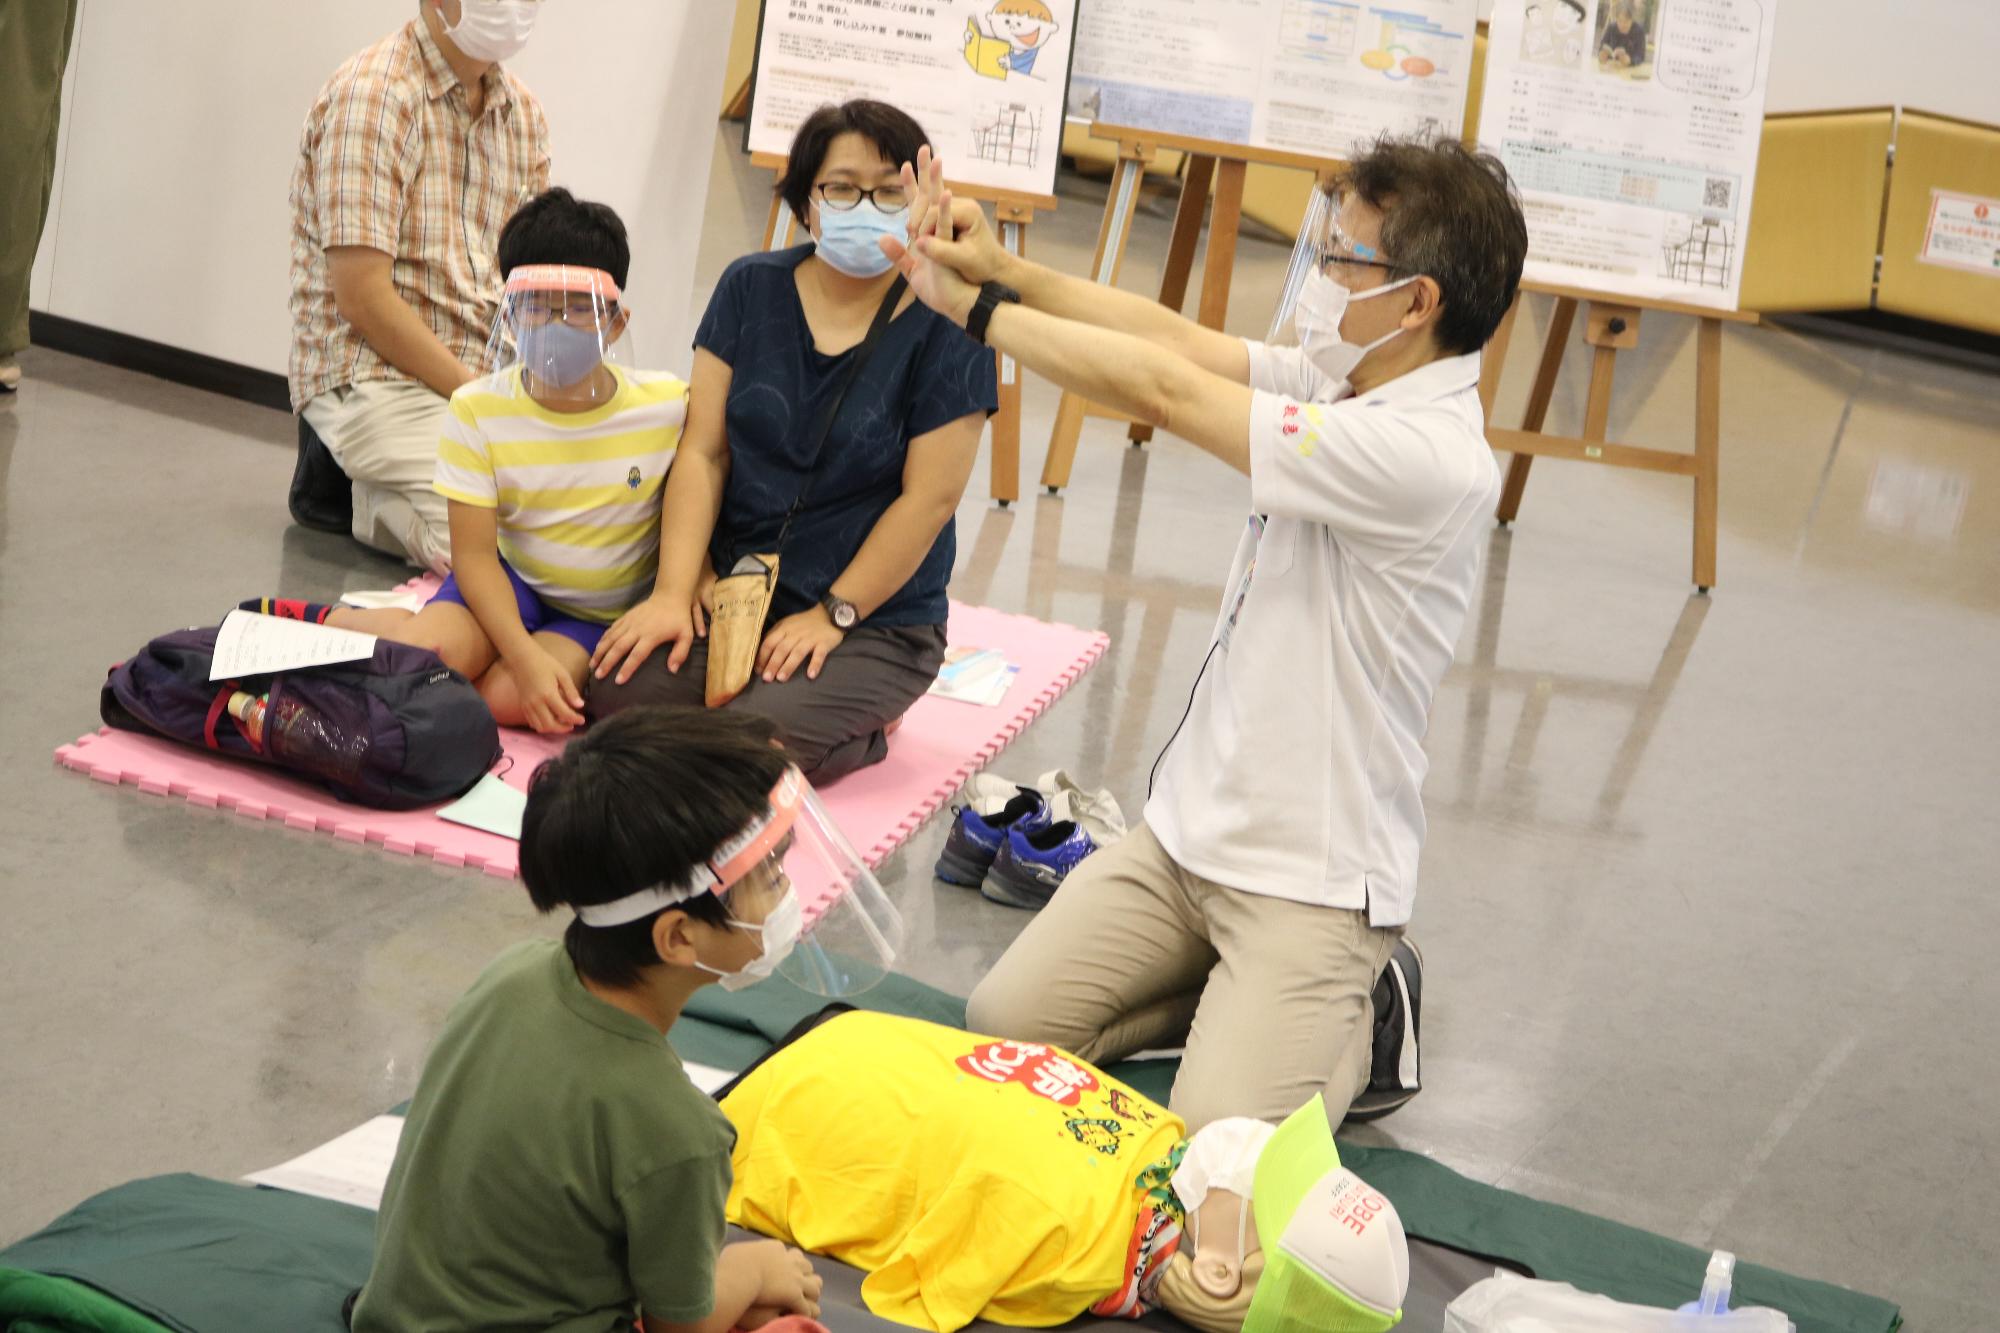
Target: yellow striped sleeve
[595, 449]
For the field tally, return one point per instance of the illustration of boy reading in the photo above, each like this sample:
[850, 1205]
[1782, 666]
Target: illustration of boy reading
[1011, 39]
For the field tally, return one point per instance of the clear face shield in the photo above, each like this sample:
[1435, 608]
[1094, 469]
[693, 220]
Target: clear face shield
[560, 335]
[1329, 271]
[792, 878]
[1325, 249]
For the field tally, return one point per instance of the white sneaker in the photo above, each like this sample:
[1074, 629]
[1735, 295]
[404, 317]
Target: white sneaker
[10, 374]
[1096, 810]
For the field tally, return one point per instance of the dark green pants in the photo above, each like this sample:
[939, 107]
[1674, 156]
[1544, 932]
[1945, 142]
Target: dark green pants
[34, 48]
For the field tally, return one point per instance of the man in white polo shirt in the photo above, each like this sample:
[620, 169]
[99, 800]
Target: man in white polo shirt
[1254, 910]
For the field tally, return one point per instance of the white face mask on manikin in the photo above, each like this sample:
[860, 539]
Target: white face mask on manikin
[493, 30]
[780, 930]
[1222, 1155]
[1322, 304]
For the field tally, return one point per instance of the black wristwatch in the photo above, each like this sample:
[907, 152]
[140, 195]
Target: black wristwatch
[844, 615]
[991, 294]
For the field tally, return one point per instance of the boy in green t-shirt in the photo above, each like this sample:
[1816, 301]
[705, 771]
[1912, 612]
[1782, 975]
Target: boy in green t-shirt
[558, 1170]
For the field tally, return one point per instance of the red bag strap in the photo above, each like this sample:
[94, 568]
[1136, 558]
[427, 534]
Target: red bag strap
[215, 711]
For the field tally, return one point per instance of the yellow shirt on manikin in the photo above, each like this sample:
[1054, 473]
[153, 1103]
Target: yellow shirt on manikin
[967, 1176]
[575, 495]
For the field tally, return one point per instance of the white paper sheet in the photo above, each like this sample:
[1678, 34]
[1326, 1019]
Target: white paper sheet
[707, 1077]
[1303, 76]
[987, 88]
[250, 644]
[353, 1168]
[1634, 154]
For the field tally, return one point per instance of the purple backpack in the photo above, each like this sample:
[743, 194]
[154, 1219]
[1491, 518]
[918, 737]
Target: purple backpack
[399, 731]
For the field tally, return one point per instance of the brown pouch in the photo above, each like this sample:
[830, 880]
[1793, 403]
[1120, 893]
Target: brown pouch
[742, 600]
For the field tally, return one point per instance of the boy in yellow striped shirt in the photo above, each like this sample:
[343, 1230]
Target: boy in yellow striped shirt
[554, 468]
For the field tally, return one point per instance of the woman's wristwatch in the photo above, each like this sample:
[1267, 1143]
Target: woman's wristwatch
[991, 294]
[843, 613]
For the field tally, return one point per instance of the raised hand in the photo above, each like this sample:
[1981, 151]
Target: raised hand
[926, 263]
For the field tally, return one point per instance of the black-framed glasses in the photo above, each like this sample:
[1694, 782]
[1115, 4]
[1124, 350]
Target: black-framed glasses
[1352, 262]
[840, 196]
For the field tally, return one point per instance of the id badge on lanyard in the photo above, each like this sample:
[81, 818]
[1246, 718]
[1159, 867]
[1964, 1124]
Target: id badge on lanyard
[1257, 522]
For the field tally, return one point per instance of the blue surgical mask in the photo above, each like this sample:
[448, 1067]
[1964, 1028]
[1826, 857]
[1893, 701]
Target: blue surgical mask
[848, 240]
[559, 355]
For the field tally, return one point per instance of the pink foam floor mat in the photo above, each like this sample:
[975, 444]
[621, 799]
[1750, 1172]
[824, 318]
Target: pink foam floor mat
[941, 744]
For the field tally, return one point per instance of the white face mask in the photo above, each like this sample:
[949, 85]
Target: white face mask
[780, 931]
[493, 29]
[1222, 1155]
[1322, 304]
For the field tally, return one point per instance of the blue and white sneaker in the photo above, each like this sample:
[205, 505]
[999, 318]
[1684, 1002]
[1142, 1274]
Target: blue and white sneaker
[1031, 866]
[981, 830]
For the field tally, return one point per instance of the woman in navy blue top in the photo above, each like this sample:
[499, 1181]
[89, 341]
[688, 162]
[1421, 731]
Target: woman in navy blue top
[856, 632]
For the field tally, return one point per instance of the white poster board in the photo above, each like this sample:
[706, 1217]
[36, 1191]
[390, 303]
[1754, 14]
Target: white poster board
[1631, 128]
[985, 78]
[1314, 77]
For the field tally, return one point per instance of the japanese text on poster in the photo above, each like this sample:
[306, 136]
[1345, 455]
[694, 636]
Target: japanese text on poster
[1963, 231]
[1316, 77]
[985, 78]
[1632, 128]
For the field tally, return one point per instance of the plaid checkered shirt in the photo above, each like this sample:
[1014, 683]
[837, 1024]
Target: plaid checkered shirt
[393, 159]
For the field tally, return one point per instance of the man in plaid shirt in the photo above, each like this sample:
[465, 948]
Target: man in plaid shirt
[414, 156]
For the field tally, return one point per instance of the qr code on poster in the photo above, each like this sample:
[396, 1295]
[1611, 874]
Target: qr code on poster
[1717, 192]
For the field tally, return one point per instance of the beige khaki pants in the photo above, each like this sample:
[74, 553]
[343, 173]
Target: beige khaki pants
[384, 434]
[1272, 997]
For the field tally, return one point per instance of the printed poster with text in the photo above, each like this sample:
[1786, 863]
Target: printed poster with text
[1317, 77]
[985, 78]
[1631, 127]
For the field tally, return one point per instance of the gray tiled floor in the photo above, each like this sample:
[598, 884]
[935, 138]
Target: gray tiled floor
[1708, 902]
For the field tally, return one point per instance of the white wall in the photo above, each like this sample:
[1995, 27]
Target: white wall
[1928, 55]
[182, 122]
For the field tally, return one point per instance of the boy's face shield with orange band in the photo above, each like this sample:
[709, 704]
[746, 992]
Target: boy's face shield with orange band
[790, 864]
[559, 329]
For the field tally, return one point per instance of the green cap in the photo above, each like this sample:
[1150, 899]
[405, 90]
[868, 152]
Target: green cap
[1335, 1257]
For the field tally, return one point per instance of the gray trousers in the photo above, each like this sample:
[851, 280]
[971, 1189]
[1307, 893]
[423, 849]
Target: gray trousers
[34, 47]
[832, 726]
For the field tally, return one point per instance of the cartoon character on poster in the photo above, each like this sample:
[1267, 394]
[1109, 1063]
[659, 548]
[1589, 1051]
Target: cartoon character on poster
[1011, 38]
[1553, 33]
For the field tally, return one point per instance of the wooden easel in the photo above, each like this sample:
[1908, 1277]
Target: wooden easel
[1212, 167]
[1015, 212]
[1611, 324]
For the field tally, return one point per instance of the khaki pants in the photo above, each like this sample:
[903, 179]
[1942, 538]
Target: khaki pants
[1134, 952]
[384, 434]
[34, 48]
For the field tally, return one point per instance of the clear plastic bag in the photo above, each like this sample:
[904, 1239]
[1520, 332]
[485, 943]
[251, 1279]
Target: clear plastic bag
[1506, 1303]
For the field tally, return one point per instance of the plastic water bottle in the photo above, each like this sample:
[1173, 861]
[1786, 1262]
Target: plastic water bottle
[249, 709]
[1715, 1286]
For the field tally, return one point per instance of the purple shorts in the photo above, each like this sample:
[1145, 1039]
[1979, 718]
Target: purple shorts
[537, 615]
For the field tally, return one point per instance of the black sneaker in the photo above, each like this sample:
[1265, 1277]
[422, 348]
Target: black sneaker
[321, 496]
[1396, 1069]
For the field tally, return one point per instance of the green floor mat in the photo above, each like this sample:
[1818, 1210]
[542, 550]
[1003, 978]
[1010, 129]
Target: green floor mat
[202, 1255]
[37, 1303]
[1435, 1202]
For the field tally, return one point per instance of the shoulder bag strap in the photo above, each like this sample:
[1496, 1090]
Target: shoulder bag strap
[823, 427]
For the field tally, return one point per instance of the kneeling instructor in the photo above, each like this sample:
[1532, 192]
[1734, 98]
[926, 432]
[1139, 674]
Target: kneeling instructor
[1274, 874]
